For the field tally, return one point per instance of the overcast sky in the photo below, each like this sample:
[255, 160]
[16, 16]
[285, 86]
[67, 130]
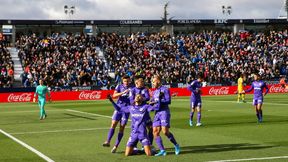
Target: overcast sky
[138, 9]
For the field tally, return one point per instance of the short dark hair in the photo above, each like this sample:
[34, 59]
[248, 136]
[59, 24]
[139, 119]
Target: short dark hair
[125, 77]
[138, 77]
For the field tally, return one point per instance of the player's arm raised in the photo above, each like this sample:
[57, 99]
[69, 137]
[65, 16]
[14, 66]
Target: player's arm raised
[124, 109]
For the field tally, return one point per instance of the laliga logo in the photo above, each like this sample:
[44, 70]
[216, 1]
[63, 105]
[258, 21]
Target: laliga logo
[219, 91]
[24, 97]
[277, 89]
[90, 96]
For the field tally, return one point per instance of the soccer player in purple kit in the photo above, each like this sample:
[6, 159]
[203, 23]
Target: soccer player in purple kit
[142, 90]
[195, 99]
[138, 111]
[121, 91]
[258, 87]
[162, 116]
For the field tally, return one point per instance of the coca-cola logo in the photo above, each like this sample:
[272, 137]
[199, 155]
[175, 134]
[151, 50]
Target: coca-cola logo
[24, 97]
[94, 95]
[219, 91]
[277, 89]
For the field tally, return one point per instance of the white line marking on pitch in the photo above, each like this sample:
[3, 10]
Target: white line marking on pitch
[27, 146]
[87, 113]
[264, 158]
[57, 131]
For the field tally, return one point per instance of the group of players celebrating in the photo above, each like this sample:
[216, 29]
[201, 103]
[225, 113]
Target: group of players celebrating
[136, 102]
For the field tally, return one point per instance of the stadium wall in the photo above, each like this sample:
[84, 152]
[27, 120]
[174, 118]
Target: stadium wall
[102, 94]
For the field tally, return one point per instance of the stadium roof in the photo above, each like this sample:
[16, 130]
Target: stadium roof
[143, 22]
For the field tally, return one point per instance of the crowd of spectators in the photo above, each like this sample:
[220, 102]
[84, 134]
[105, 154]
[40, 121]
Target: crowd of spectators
[6, 68]
[221, 57]
[67, 60]
[62, 61]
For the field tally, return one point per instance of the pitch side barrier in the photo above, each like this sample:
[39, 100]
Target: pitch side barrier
[63, 88]
[102, 94]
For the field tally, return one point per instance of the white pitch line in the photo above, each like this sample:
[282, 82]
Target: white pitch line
[87, 113]
[264, 158]
[27, 146]
[58, 131]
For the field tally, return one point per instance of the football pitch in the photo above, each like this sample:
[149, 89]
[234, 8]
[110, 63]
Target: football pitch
[75, 131]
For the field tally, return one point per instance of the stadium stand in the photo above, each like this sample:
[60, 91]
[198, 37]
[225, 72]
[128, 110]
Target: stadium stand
[6, 68]
[220, 56]
[62, 60]
[72, 61]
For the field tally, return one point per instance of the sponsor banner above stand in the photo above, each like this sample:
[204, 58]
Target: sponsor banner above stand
[102, 94]
[143, 22]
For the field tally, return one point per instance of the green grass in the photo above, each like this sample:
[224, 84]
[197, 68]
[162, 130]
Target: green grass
[230, 131]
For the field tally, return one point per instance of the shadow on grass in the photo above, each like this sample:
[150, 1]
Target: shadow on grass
[79, 116]
[214, 148]
[220, 148]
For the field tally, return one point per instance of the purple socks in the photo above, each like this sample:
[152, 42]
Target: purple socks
[199, 117]
[159, 143]
[110, 134]
[119, 138]
[191, 115]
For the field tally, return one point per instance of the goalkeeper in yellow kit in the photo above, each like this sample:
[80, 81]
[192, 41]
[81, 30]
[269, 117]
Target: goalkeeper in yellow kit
[241, 88]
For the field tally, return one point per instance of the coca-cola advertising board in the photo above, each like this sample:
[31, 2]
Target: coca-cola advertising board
[102, 94]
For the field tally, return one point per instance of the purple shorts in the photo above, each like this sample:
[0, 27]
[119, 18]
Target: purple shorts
[196, 103]
[257, 101]
[120, 116]
[134, 138]
[162, 118]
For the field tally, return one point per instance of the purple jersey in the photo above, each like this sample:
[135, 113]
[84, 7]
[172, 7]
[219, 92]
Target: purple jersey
[258, 87]
[143, 91]
[165, 99]
[124, 98]
[138, 116]
[195, 87]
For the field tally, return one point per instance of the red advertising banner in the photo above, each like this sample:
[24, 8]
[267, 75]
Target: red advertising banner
[102, 94]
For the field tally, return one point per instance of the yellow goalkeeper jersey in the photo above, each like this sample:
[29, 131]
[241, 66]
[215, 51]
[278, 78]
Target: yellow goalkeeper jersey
[240, 84]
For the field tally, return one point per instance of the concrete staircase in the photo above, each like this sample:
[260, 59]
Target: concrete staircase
[18, 69]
